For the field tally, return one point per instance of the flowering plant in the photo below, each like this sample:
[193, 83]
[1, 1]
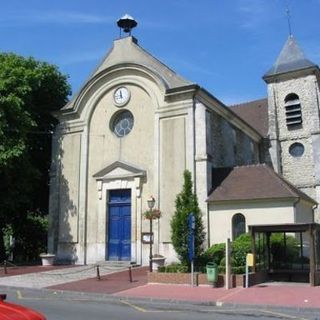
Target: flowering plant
[152, 214]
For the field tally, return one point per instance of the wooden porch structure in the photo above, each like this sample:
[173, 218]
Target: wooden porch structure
[311, 232]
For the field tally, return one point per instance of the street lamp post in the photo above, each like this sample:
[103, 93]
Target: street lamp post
[151, 202]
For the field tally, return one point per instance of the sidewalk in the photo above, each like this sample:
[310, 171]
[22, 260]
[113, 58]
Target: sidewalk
[281, 294]
[119, 286]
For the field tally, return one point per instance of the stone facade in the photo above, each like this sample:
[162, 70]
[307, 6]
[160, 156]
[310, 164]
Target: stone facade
[302, 171]
[140, 145]
[175, 128]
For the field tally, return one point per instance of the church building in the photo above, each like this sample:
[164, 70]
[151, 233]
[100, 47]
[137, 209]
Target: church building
[136, 125]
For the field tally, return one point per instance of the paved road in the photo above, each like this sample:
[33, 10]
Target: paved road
[72, 308]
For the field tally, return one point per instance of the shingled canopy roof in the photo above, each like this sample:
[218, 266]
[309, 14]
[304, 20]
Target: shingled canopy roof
[255, 113]
[291, 58]
[253, 182]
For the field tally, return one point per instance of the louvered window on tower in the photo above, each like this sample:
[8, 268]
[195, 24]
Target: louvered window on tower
[293, 110]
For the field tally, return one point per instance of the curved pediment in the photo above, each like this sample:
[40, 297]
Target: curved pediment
[125, 59]
[119, 170]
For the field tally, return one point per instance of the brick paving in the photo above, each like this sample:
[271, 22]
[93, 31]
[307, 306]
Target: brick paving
[42, 277]
[118, 285]
[111, 283]
[274, 294]
[18, 270]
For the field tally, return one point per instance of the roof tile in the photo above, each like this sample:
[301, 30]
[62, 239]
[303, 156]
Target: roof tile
[255, 113]
[254, 182]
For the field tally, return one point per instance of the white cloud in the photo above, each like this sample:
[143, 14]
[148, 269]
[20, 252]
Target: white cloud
[253, 13]
[79, 56]
[190, 67]
[57, 17]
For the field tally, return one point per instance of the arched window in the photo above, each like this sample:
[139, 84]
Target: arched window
[293, 110]
[238, 225]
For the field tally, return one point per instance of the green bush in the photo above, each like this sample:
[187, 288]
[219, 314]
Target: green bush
[30, 238]
[238, 270]
[215, 253]
[161, 269]
[174, 268]
[186, 202]
[240, 248]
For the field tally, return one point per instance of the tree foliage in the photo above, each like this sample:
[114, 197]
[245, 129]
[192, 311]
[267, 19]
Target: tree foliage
[29, 92]
[186, 203]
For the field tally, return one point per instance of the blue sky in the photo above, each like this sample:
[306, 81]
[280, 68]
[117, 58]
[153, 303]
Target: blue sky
[223, 45]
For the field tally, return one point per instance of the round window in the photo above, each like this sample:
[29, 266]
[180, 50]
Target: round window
[122, 123]
[296, 149]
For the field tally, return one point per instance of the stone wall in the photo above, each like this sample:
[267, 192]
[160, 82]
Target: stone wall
[306, 89]
[228, 146]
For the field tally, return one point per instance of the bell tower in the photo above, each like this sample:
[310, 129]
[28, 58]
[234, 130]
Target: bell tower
[294, 118]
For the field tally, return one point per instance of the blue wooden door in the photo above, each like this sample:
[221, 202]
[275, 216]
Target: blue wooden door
[119, 230]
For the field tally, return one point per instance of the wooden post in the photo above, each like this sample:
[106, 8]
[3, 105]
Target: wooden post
[312, 258]
[253, 244]
[228, 283]
[268, 234]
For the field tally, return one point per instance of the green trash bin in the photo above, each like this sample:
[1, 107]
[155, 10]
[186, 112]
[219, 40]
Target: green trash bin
[212, 272]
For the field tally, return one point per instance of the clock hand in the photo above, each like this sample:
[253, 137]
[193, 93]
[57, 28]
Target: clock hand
[120, 94]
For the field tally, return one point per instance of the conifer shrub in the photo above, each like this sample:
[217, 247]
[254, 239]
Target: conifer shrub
[186, 203]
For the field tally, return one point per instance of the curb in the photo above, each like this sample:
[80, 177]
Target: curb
[186, 304]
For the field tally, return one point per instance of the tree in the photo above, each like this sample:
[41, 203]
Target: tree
[186, 203]
[29, 92]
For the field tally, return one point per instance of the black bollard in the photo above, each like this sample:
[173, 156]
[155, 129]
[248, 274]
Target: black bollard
[130, 274]
[98, 273]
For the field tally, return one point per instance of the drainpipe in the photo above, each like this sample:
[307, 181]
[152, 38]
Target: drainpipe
[194, 144]
[295, 209]
[208, 226]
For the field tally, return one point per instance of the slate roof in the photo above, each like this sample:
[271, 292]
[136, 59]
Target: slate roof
[291, 58]
[253, 182]
[255, 113]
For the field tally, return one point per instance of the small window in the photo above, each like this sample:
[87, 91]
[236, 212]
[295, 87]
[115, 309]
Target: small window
[293, 110]
[238, 225]
[296, 149]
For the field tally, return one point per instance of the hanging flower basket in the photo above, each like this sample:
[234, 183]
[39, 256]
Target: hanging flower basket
[152, 214]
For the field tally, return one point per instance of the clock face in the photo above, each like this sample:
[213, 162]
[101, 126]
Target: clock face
[121, 96]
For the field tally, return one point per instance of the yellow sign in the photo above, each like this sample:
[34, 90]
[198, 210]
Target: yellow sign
[250, 259]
